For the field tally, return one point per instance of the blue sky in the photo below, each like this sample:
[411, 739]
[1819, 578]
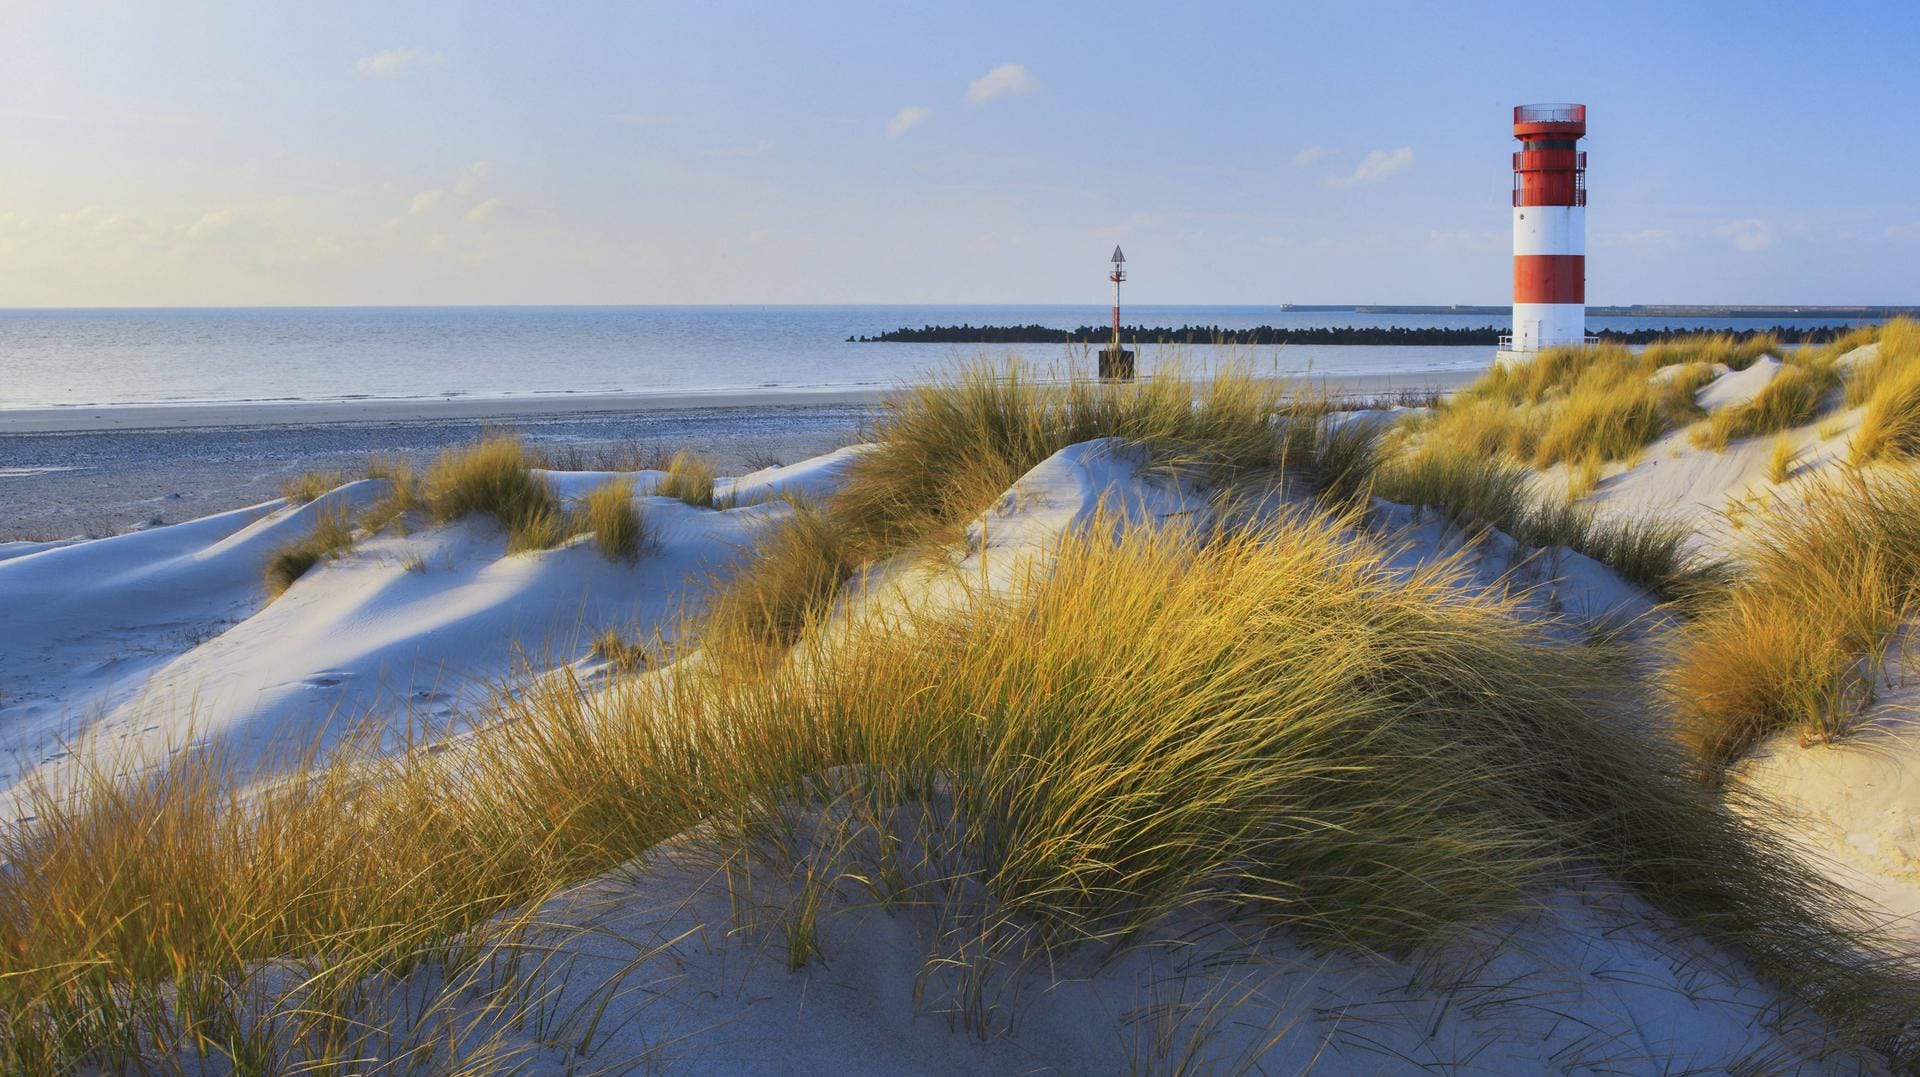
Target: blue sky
[247, 153]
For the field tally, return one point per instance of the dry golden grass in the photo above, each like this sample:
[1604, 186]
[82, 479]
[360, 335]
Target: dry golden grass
[1899, 347]
[1797, 642]
[619, 652]
[1793, 398]
[492, 477]
[1780, 459]
[690, 479]
[1735, 352]
[1275, 722]
[309, 485]
[1573, 404]
[797, 566]
[1481, 491]
[609, 512]
[1889, 388]
[1583, 477]
[1607, 414]
[332, 534]
[402, 495]
[953, 446]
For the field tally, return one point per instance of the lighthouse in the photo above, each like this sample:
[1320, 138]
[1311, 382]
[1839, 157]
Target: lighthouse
[1549, 230]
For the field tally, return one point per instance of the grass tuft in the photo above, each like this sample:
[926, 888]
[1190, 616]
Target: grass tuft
[619, 652]
[952, 447]
[1798, 641]
[689, 479]
[796, 568]
[332, 534]
[610, 513]
[1478, 491]
[1793, 398]
[491, 477]
[309, 485]
[1889, 388]
[1780, 459]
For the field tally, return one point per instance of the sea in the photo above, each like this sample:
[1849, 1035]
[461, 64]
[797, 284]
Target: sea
[109, 357]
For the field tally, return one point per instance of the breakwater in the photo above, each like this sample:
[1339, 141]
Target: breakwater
[1269, 335]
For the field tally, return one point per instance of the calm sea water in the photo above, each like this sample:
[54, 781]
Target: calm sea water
[106, 357]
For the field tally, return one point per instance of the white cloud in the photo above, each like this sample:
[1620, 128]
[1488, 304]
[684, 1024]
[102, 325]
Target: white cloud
[481, 213]
[1379, 164]
[1007, 80]
[1749, 234]
[425, 201]
[210, 224]
[475, 175]
[909, 117]
[1314, 155]
[395, 61]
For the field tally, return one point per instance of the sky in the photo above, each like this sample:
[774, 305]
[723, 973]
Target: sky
[254, 153]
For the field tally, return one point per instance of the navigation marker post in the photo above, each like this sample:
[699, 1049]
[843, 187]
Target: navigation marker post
[1116, 363]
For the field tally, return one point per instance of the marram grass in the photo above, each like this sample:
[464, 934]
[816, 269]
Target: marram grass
[331, 535]
[690, 479]
[493, 477]
[610, 514]
[1797, 642]
[1272, 721]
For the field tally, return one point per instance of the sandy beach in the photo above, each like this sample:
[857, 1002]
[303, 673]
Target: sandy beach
[67, 472]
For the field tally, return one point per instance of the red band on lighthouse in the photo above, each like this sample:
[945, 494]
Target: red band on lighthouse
[1550, 278]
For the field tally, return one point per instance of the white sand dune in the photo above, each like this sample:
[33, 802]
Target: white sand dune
[147, 639]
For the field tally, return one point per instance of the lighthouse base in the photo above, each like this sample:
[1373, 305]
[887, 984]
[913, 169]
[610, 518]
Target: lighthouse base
[1116, 364]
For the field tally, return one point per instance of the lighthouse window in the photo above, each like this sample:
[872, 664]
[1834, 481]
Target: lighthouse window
[1550, 144]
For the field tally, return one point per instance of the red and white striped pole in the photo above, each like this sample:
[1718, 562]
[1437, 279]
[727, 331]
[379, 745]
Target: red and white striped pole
[1119, 274]
[1549, 228]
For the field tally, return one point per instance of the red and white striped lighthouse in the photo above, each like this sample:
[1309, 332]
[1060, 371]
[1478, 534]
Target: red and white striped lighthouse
[1549, 228]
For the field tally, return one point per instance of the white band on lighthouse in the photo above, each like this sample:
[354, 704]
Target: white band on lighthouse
[1548, 325]
[1549, 230]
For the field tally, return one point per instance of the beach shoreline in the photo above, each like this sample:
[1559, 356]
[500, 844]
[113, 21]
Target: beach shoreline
[73, 419]
[69, 472]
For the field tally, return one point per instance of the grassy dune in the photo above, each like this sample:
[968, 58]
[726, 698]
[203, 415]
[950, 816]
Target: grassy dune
[1267, 721]
[1797, 642]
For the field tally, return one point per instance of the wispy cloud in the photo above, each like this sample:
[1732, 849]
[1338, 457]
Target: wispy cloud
[907, 118]
[483, 212]
[1007, 80]
[1379, 164]
[425, 201]
[395, 61]
[644, 119]
[210, 224]
[1313, 155]
[1748, 234]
